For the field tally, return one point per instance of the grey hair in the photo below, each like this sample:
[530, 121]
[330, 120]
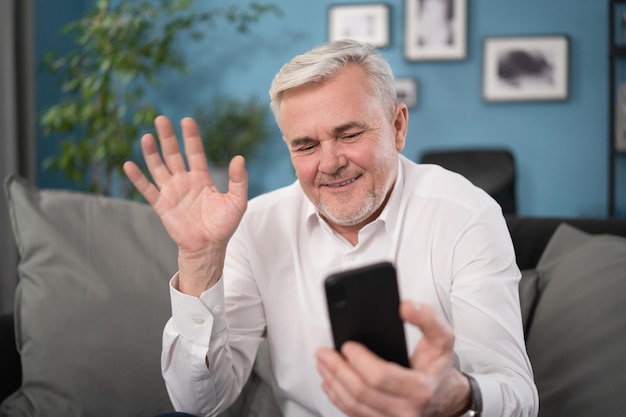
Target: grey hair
[323, 62]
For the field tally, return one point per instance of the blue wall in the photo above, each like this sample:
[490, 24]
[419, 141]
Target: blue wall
[561, 147]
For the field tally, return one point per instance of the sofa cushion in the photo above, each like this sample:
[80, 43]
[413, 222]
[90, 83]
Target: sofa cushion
[528, 295]
[91, 303]
[577, 339]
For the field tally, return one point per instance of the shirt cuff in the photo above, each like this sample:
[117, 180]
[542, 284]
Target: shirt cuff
[491, 395]
[198, 318]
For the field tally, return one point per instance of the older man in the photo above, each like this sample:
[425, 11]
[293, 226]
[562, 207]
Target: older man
[255, 270]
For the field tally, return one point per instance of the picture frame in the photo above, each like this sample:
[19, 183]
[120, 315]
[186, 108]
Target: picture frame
[435, 30]
[367, 23]
[526, 68]
[406, 91]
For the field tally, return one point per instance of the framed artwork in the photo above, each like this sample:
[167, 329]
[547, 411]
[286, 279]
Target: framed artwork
[435, 30]
[406, 91]
[525, 68]
[363, 22]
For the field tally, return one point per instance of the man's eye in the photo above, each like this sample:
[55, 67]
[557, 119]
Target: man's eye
[351, 136]
[305, 148]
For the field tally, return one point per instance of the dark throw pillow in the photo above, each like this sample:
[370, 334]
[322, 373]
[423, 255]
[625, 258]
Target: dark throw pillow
[577, 341]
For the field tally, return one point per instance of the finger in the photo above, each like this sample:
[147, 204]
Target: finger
[426, 318]
[194, 148]
[169, 145]
[376, 371]
[336, 373]
[238, 178]
[158, 170]
[352, 387]
[348, 404]
[141, 183]
[436, 332]
[400, 385]
[335, 390]
[342, 385]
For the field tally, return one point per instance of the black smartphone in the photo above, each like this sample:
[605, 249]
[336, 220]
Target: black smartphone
[364, 306]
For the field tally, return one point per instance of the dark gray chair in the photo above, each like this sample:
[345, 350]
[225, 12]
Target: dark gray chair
[493, 170]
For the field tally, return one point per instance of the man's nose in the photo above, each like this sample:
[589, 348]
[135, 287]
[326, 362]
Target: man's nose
[332, 158]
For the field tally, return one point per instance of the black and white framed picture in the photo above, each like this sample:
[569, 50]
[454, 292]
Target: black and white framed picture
[525, 68]
[406, 91]
[362, 22]
[435, 30]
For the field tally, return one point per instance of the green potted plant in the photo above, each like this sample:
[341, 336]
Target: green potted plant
[121, 47]
[229, 127]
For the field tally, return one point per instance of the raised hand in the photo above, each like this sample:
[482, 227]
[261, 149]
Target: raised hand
[198, 217]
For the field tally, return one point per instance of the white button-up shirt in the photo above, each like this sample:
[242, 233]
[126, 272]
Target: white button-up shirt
[451, 248]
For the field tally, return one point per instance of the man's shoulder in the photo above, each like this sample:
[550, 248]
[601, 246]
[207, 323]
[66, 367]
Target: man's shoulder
[429, 181]
[427, 177]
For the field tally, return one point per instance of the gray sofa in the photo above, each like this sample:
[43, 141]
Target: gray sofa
[93, 299]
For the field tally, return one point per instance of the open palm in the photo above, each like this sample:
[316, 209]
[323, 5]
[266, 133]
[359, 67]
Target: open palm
[198, 217]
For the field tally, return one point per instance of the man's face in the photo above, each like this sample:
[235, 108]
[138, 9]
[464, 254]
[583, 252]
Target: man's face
[344, 146]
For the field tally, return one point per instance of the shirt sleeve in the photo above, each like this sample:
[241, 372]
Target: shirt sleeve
[487, 317]
[197, 333]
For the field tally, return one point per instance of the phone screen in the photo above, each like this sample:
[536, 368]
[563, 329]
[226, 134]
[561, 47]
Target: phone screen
[364, 306]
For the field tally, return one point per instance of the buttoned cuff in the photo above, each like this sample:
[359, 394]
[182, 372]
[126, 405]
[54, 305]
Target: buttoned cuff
[198, 318]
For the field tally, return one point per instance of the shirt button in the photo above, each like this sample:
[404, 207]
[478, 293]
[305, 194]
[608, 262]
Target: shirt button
[217, 310]
[198, 320]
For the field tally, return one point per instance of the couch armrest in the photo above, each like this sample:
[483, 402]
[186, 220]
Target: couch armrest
[11, 375]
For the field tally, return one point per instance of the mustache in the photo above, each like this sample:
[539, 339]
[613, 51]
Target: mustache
[338, 178]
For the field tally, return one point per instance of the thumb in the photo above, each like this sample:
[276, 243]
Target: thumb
[436, 331]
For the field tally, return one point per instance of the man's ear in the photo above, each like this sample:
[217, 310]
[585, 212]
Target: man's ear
[400, 125]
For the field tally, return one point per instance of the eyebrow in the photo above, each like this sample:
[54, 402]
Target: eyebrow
[347, 126]
[336, 131]
[297, 142]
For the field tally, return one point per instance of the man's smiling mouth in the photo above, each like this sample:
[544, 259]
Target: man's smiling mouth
[343, 183]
